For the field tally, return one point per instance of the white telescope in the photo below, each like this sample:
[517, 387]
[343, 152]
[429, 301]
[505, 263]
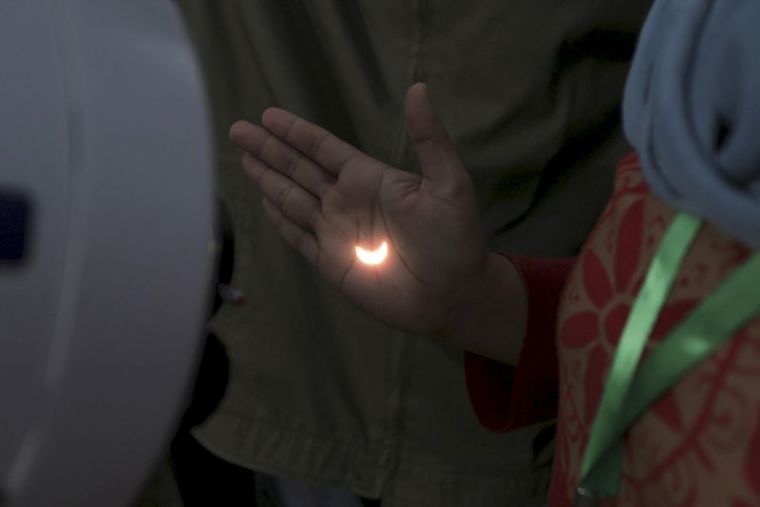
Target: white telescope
[106, 244]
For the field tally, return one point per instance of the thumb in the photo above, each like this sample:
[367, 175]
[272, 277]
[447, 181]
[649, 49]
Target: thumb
[438, 157]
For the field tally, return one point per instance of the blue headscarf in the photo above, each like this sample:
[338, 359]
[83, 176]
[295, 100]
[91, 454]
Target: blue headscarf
[692, 110]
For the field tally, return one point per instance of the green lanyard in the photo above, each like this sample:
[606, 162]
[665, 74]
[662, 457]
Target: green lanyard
[628, 393]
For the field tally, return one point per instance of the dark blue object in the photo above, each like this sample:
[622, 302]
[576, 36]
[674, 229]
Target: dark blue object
[14, 218]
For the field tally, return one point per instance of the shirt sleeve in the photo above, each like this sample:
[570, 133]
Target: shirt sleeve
[505, 397]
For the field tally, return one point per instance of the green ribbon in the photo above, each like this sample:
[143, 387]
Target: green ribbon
[653, 294]
[629, 393]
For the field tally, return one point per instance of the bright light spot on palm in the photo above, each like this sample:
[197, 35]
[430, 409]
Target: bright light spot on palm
[372, 257]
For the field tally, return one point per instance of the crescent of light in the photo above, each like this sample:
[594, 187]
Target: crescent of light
[372, 257]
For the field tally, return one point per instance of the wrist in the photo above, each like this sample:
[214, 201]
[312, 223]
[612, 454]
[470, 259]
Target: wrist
[490, 317]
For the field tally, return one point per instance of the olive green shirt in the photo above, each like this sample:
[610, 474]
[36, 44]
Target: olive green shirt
[530, 92]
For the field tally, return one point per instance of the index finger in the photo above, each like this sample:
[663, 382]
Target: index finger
[330, 152]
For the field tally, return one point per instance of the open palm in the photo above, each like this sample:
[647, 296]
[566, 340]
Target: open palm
[326, 198]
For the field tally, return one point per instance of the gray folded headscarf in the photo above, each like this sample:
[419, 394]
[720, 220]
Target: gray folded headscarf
[692, 110]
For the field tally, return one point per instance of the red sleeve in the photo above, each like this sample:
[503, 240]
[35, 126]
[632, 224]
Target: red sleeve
[504, 397]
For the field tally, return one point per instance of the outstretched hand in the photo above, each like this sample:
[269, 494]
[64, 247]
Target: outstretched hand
[325, 198]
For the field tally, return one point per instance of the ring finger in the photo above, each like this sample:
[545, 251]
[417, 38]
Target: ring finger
[294, 201]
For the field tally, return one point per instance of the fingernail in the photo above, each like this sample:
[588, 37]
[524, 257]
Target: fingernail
[231, 294]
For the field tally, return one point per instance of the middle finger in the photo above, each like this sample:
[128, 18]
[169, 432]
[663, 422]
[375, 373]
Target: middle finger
[283, 158]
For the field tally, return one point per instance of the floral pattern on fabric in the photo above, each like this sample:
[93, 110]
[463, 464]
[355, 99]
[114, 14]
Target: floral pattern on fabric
[699, 445]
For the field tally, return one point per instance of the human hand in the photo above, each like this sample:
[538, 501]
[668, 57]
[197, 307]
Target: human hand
[325, 197]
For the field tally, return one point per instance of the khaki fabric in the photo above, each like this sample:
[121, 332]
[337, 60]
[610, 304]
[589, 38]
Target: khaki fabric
[530, 91]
